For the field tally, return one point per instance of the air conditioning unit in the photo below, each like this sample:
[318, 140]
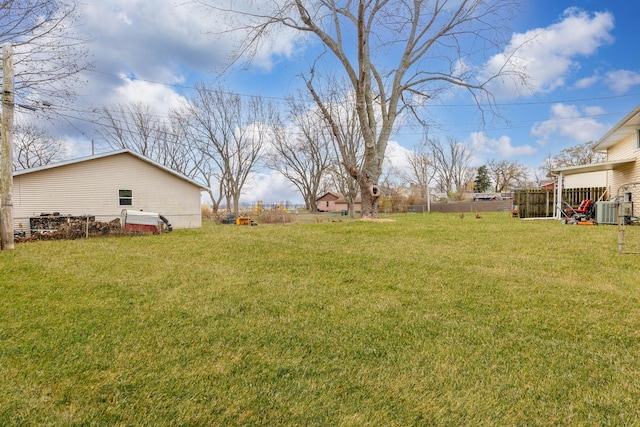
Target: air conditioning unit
[607, 212]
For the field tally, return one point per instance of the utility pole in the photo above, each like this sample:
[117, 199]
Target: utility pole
[6, 152]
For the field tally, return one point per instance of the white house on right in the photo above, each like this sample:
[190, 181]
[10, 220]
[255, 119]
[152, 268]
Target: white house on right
[621, 167]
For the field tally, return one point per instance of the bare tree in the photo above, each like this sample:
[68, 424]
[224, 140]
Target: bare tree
[422, 168]
[162, 139]
[395, 54]
[505, 174]
[48, 53]
[230, 132]
[581, 154]
[451, 163]
[302, 152]
[345, 184]
[133, 127]
[173, 149]
[33, 147]
[346, 137]
[395, 193]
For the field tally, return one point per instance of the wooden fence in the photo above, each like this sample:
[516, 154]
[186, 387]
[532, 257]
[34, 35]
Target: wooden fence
[466, 206]
[540, 203]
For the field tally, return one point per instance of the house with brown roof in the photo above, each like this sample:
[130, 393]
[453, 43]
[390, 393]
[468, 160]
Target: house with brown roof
[335, 202]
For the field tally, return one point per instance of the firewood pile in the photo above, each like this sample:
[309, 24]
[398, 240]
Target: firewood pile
[56, 227]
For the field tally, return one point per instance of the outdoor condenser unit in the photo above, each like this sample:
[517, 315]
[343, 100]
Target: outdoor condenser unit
[607, 213]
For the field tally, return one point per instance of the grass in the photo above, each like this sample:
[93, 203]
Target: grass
[427, 320]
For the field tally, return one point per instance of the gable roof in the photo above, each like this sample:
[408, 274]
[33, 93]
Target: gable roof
[329, 196]
[629, 124]
[109, 154]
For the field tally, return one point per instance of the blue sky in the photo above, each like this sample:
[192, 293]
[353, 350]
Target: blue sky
[584, 70]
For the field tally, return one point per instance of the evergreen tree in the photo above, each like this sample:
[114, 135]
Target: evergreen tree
[482, 182]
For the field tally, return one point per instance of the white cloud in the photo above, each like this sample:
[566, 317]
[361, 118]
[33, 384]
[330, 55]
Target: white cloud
[155, 41]
[548, 55]
[137, 42]
[571, 122]
[396, 156]
[588, 81]
[169, 42]
[501, 147]
[593, 111]
[130, 36]
[621, 81]
[270, 187]
[160, 98]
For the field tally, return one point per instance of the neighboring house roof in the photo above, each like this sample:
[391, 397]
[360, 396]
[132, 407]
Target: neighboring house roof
[329, 196]
[629, 124]
[592, 167]
[548, 184]
[103, 155]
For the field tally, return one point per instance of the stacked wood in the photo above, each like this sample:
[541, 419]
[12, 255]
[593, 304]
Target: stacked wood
[53, 222]
[53, 227]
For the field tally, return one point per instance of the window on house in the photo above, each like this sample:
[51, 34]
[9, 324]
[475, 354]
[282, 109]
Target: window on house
[125, 197]
[636, 141]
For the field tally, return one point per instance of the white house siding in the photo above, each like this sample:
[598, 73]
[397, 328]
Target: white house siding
[586, 180]
[623, 149]
[91, 187]
[624, 175]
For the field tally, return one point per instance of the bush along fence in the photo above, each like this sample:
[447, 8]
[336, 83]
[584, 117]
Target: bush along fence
[540, 203]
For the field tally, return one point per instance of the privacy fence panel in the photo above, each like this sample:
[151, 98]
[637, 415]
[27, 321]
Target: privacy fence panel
[540, 203]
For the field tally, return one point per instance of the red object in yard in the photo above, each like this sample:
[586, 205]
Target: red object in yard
[584, 207]
[141, 221]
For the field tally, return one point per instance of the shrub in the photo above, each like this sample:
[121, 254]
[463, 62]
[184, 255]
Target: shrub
[274, 217]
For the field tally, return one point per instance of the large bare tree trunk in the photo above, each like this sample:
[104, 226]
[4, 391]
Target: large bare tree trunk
[402, 52]
[369, 189]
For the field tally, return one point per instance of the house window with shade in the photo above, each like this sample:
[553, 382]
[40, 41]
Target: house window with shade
[125, 197]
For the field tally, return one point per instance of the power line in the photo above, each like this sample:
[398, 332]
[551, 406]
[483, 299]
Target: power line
[85, 114]
[496, 104]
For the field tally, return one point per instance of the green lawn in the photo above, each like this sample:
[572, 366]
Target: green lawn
[427, 320]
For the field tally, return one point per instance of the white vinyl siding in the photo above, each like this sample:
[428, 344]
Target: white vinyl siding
[627, 148]
[586, 180]
[624, 149]
[92, 187]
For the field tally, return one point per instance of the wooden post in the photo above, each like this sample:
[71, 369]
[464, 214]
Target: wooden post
[558, 214]
[6, 152]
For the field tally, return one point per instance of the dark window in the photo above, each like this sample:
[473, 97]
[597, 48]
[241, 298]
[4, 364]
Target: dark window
[125, 197]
